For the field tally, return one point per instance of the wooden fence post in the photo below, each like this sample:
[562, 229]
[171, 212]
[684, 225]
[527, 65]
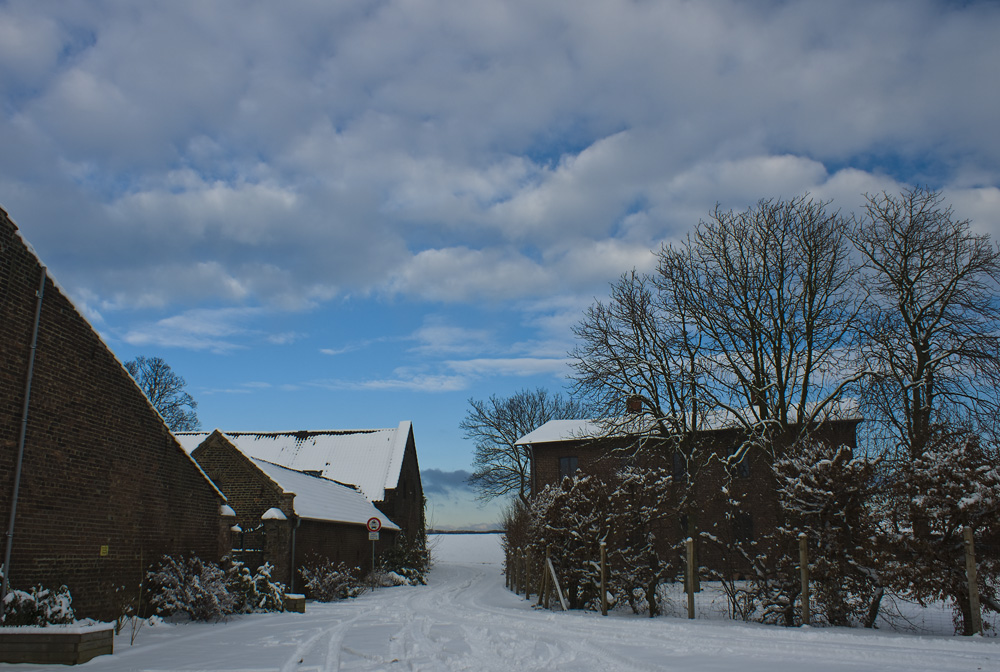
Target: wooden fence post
[604, 578]
[804, 575]
[972, 575]
[527, 574]
[690, 576]
[548, 581]
[555, 582]
[543, 582]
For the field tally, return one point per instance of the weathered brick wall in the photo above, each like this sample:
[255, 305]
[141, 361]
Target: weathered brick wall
[101, 471]
[404, 504]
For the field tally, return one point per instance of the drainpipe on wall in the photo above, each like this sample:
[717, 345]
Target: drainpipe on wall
[20, 441]
[291, 565]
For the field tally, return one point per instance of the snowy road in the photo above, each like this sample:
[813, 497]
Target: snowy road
[465, 620]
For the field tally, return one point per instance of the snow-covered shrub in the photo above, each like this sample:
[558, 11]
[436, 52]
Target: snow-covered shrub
[825, 493]
[568, 522]
[408, 558]
[955, 483]
[253, 592]
[190, 586]
[38, 606]
[269, 595]
[641, 505]
[326, 580]
[627, 509]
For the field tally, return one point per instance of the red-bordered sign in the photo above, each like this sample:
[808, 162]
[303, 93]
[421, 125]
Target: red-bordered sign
[374, 524]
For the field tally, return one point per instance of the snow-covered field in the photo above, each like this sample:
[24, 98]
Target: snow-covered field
[464, 619]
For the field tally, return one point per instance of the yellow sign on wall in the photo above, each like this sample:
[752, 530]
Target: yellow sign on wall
[104, 550]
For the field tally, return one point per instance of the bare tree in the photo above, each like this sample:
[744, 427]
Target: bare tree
[933, 334]
[636, 349]
[500, 466]
[932, 340]
[753, 318]
[165, 391]
[770, 291]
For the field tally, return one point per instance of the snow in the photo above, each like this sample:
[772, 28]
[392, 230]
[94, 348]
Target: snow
[318, 498]
[273, 513]
[465, 619]
[371, 459]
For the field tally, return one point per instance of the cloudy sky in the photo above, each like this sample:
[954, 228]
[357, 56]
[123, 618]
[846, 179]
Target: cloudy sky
[346, 214]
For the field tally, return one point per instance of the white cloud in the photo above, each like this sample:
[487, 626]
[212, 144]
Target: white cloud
[516, 366]
[217, 330]
[404, 380]
[437, 337]
[173, 155]
[463, 274]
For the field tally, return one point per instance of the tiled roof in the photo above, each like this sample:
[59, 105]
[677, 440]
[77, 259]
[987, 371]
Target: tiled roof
[370, 459]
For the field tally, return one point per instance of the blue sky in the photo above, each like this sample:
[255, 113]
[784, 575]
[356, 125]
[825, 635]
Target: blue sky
[347, 214]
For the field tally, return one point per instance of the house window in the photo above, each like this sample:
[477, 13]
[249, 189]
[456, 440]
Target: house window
[742, 468]
[680, 466]
[567, 467]
[743, 527]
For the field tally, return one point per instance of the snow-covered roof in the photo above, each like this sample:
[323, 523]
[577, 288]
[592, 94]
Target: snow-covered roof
[576, 430]
[318, 498]
[563, 430]
[371, 459]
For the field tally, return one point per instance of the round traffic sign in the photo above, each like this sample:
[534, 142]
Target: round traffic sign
[374, 524]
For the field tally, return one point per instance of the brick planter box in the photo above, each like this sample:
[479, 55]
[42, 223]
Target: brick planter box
[294, 602]
[66, 645]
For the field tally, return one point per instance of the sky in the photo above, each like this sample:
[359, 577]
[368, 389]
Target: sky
[339, 215]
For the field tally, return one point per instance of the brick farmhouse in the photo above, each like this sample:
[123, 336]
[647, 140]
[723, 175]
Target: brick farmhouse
[561, 447]
[289, 517]
[105, 489]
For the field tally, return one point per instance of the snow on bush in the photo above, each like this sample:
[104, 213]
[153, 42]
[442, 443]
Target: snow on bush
[253, 592]
[38, 606]
[408, 559]
[206, 592]
[326, 580]
[191, 586]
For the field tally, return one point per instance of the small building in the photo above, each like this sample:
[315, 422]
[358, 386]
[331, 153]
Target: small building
[381, 463]
[288, 517]
[103, 488]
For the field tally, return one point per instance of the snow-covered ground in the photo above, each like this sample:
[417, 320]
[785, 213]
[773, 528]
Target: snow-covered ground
[465, 619]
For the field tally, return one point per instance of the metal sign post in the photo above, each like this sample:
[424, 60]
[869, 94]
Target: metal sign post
[373, 525]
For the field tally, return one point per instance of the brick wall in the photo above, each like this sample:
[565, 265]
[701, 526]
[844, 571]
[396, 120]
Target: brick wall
[247, 489]
[339, 542]
[404, 504]
[105, 488]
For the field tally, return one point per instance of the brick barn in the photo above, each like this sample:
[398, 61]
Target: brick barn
[289, 517]
[381, 463]
[105, 489]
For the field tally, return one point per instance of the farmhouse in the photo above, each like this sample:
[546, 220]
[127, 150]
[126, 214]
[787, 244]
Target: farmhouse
[99, 486]
[288, 517]
[381, 463]
[560, 448]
